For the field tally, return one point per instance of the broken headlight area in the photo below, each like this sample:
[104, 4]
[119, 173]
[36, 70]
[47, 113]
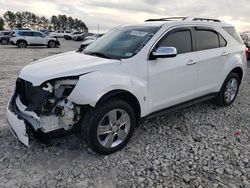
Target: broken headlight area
[46, 107]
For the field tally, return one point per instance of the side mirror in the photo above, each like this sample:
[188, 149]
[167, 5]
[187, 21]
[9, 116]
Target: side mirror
[164, 52]
[43, 36]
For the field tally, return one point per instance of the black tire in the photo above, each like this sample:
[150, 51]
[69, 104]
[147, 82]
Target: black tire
[52, 44]
[4, 42]
[94, 117]
[22, 44]
[220, 100]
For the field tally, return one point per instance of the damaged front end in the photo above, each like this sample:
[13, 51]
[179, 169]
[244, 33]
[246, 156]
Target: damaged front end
[46, 107]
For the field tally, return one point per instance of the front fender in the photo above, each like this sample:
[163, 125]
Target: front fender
[91, 87]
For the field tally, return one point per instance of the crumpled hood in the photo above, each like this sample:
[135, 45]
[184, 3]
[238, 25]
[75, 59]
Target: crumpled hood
[63, 65]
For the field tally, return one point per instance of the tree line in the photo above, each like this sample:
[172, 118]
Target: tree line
[30, 20]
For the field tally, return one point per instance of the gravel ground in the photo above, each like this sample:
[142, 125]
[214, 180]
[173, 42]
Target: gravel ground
[200, 146]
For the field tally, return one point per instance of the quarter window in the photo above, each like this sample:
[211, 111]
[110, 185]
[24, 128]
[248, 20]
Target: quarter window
[181, 40]
[223, 42]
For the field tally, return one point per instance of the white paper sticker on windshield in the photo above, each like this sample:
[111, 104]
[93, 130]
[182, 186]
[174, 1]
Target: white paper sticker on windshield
[138, 33]
[128, 54]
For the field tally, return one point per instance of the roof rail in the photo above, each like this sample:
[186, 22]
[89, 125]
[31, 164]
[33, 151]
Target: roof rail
[206, 19]
[167, 19]
[183, 19]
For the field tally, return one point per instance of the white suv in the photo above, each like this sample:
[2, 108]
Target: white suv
[130, 73]
[22, 39]
[59, 33]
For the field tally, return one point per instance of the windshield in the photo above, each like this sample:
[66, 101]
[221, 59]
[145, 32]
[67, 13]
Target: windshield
[122, 43]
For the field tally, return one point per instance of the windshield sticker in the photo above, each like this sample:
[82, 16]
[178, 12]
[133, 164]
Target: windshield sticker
[128, 54]
[138, 33]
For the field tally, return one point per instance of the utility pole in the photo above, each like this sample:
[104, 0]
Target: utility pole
[98, 29]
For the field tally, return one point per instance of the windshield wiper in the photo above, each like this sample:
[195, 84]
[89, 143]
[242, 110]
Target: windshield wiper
[98, 54]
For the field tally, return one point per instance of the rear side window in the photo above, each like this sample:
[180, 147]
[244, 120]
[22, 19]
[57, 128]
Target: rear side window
[234, 34]
[207, 39]
[181, 40]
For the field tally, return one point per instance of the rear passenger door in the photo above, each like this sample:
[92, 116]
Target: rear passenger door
[211, 56]
[28, 36]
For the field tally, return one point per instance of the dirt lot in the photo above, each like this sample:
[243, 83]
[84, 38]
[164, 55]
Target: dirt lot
[200, 146]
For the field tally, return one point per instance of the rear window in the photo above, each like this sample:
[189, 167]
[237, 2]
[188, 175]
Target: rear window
[234, 34]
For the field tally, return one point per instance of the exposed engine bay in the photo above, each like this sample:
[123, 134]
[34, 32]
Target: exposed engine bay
[46, 107]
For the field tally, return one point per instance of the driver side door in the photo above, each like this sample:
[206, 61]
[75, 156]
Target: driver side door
[39, 38]
[173, 80]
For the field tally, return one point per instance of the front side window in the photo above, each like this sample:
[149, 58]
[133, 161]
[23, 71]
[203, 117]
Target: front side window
[122, 43]
[207, 39]
[181, 40]
[36, 34]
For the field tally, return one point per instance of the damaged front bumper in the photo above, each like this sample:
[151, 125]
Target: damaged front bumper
[17, 124]
[42, 109]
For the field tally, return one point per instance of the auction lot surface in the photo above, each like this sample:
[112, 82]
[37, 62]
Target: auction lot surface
[200, 146]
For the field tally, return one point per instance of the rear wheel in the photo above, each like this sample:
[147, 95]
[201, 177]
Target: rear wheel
[229, 90]
[4, 42]
[109, 127]
[52, 44]
[21, 44]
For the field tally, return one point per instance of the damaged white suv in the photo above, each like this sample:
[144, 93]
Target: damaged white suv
[130, 73]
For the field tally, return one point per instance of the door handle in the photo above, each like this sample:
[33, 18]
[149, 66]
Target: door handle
[191, 62]
[225, 54]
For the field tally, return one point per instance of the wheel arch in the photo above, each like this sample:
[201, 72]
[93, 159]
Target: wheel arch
[21, 40]
[238, 71]
[125, 96]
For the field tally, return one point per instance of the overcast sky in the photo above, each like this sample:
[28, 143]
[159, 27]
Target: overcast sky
[112, 13]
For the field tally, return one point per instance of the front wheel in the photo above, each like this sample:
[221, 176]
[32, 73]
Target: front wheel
[109, 127]
[229, 90]
[51, 44]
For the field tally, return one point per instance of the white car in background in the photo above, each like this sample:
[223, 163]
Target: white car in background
[133, 72]
[89, 40]
[24, 38]
[59, 33]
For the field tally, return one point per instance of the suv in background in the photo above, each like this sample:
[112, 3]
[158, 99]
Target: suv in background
[132, 72]
[246, 38]
[59, 33]
[22, 39]
[5, 37]
[89, 40]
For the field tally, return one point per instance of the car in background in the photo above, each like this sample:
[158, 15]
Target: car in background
[22, 39]
[59, 33]
[89, 40]
[5, 37]
[76, 36]
[246, 38]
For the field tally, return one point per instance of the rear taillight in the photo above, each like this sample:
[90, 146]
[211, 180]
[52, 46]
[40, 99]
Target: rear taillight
[246, 52]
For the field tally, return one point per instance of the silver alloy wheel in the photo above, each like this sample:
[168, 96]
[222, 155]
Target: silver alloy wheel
[231, 90]
[113, 128]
